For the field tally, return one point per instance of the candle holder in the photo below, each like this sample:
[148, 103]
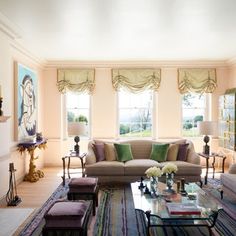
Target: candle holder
[1, 112]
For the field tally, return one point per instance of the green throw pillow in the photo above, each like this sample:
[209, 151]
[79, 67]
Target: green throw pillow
[159, 152]
[123, 152]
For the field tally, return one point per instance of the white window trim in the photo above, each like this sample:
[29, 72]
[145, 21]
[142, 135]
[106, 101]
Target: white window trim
[65, 123]
[207, 113]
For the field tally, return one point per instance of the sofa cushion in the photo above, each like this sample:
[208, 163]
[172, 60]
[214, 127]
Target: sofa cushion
[123, 152]
[172, 152]
[183, 151]
[229, 181]
[106, 168]
[139, 166]
[99, 151]
[159, 152]
[185, 168]
[110, 152]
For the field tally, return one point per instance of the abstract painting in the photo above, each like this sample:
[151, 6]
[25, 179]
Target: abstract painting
[26, 103]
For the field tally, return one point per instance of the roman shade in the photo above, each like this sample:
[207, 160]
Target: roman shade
[136, 80]
[197, 80]
[76, 80]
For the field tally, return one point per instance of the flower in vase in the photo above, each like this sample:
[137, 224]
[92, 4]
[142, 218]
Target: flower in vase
[169, 168]
[153, 172]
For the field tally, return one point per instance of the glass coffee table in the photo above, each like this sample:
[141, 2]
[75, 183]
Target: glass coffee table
[155, 206]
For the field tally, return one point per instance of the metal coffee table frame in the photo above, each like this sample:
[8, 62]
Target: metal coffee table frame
[145, 203]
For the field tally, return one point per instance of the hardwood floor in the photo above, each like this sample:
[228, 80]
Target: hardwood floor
[33, 196]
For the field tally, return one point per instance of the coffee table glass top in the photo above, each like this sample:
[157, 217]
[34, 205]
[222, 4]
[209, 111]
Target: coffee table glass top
[157, 204]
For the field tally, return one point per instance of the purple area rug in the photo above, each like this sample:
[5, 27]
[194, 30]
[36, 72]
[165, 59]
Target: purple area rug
[35, 226]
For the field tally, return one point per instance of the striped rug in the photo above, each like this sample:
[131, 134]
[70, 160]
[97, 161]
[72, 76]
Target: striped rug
[116, 213]
[116, 217]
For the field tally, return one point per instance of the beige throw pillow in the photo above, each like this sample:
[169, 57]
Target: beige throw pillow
[172, 152]
[110, 152]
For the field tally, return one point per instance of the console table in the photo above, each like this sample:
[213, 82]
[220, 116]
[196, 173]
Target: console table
[33, 174]
[67, 158]
[213, 156]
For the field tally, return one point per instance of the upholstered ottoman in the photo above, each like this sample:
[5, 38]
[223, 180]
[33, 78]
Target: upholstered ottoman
[67, 218]
[84, 188]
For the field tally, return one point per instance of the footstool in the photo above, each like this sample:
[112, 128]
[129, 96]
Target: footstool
[69, 217]
[84, 188]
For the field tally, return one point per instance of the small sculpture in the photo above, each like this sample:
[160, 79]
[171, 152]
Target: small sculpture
[141, 186]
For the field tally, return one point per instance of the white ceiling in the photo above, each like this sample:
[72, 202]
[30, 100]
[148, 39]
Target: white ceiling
[124, 29]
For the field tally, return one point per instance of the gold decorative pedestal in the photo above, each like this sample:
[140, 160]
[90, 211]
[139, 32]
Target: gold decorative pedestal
[33, 174]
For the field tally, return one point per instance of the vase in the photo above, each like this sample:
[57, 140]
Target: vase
[153, 184]
[169, 182]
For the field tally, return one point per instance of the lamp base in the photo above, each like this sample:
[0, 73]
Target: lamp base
[206, 149]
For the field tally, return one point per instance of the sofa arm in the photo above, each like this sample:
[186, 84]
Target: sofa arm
[193, 158]
[90, 156]
[232, 169]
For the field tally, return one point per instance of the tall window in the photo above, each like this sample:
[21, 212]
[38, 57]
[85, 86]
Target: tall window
[135, 114]
[78, 112]
[194, 109]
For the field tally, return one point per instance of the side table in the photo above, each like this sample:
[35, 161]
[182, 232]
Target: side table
[33, 174]
[67, 159]
[214, 156]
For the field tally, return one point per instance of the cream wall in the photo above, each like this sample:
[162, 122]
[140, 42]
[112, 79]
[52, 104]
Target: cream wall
[8, 152]
[104, 109]
[51, 114]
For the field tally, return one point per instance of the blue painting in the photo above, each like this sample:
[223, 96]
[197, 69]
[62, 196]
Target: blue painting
[26, 103]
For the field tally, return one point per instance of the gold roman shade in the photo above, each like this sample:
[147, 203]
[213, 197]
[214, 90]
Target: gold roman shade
[136, 80]
[76, 80]
[197, 80]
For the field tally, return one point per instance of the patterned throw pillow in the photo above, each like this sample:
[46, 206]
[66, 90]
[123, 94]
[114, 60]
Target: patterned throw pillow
[124, 152]
[182, 153]
[159, 152]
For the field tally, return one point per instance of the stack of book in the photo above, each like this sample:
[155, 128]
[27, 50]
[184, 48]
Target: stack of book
[183, 209]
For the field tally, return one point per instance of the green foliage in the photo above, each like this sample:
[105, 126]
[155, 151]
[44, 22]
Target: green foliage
[81, 118]
[187, 125]
[124, 129]
[197, 119]
[70, 116]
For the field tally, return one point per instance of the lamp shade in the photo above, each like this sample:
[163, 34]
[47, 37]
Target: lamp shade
[77, 128]
[208, 128]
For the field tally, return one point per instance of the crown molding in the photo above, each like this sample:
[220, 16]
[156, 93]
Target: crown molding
[8, 28]
[36, 60]
[231, 62]
[141, 63]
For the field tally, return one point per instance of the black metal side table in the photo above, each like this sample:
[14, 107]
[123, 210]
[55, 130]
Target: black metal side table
[214, 156]
[66, 160]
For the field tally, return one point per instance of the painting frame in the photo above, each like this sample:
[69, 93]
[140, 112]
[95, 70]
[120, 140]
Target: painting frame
[26, 103]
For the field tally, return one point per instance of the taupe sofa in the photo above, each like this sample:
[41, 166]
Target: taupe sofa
[132, 170]
[228, 181]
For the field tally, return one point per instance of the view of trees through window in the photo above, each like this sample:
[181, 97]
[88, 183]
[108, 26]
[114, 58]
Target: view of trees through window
[135, 114]
[193, 110]
[78, 110]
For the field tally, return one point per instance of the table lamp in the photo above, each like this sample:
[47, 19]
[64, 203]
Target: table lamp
[207, 128]
[76, 129]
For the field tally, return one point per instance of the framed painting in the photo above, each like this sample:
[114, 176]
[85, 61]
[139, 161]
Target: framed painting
[25, 103]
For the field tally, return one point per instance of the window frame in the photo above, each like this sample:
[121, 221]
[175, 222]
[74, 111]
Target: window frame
[207, 112]
[65, 126]
[153, 129]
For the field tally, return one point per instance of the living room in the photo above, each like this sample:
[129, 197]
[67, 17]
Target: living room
[203, 41]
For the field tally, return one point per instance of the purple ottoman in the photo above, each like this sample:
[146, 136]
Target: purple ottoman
[84, 188]
[67, 216]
